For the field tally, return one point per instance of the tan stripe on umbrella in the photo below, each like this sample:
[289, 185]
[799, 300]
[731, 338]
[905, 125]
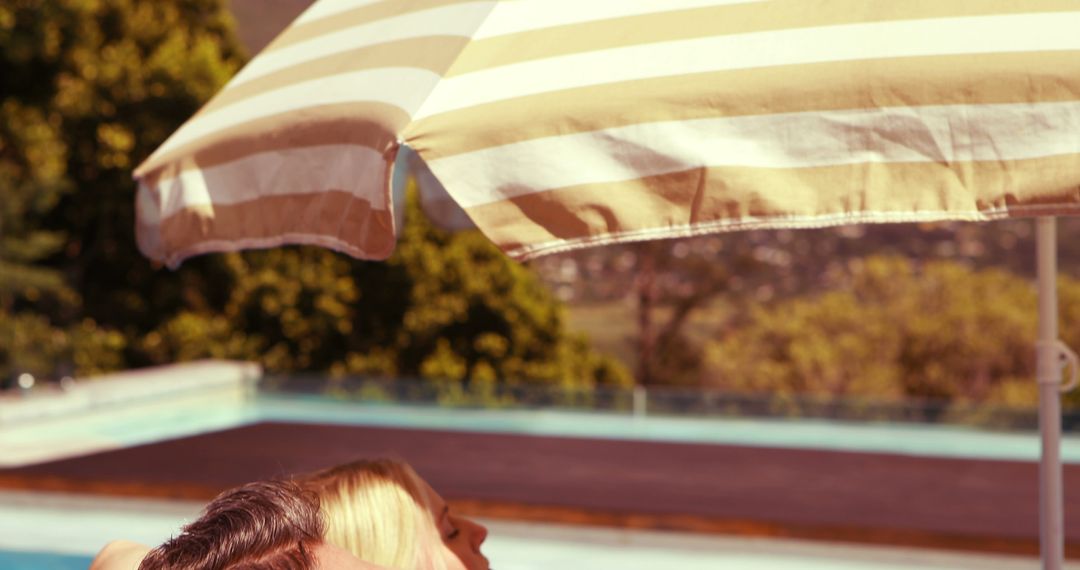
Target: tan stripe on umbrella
[369, 125]
[693, 202]
[332, 219]
[433, 53]
[361, 16]
[404, 89]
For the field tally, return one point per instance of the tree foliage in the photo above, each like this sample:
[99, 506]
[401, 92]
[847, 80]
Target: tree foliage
[689, 282]
[89, 87]
[893, 329]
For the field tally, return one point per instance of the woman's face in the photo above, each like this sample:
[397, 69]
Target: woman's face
[461, 536]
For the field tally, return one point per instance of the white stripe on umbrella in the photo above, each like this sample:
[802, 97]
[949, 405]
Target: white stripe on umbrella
[946, 134]
[849, 42]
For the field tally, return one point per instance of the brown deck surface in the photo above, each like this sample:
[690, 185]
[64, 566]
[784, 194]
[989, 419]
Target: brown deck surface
[869, 497]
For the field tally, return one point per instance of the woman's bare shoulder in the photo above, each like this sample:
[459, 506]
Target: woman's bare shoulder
[120, 555]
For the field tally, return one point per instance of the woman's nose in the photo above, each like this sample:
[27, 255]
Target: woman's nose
[477, 533]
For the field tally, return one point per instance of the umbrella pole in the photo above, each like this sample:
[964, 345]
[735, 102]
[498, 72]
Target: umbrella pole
[1048, 372]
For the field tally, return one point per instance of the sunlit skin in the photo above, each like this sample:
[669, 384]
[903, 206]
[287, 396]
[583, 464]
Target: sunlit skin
[330, 557]
[462, 537]
[119, 555]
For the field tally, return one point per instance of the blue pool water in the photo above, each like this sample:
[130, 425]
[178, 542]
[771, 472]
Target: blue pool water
[15, 560]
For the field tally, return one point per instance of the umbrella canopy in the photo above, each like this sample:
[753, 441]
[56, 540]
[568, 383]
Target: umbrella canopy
[558, 124]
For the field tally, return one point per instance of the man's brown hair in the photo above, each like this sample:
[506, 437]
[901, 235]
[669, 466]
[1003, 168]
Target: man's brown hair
[269, 525]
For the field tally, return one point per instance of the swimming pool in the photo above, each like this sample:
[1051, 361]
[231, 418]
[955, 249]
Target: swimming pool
[62, 532]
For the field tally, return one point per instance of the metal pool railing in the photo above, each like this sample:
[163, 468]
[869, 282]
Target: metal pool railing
[660, 401]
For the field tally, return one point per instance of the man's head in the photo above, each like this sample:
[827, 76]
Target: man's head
[269, 525]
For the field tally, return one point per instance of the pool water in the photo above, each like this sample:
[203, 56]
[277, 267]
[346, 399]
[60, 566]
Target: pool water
[14, 560]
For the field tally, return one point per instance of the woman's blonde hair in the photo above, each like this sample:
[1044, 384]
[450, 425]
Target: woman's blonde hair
[378, 510]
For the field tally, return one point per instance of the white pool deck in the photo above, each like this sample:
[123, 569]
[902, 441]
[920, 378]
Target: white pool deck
[79, 525]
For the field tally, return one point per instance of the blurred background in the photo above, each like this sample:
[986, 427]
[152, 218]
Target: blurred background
[890, 343]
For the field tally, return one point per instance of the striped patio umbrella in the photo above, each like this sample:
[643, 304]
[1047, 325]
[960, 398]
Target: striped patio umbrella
[557, 124]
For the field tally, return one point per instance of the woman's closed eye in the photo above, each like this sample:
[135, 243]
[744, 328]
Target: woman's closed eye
[447, 519]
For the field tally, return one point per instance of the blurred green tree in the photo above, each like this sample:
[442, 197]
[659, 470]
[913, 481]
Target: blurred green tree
[88, 86]
[113, 78]
[680, 279]
[941, 331]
